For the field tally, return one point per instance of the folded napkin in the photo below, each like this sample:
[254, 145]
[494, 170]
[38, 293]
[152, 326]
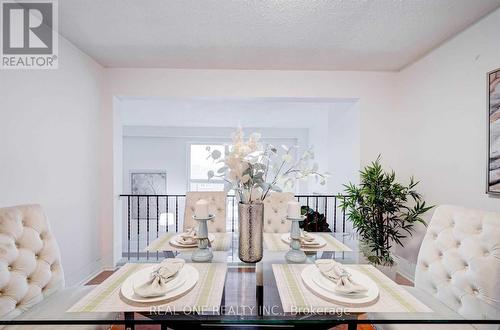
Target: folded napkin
[307, 239]
[336, 273]
[156, 285]
[189, 237]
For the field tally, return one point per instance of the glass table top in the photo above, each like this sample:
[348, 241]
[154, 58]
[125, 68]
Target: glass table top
[251, 297]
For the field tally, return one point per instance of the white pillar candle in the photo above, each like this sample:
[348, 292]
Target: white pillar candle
[201, 209]
[293, 210]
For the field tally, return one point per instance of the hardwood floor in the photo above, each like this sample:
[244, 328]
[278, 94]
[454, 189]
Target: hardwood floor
[402, 280]
[99, 278]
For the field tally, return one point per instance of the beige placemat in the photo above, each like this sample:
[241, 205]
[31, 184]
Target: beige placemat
[222, 242]
[295, 297]
[204, 298]
[274, 242]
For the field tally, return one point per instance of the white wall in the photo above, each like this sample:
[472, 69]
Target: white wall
[440, 132]
[343, 145]
[49, 152]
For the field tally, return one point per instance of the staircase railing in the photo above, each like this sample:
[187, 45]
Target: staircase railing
[146, 217]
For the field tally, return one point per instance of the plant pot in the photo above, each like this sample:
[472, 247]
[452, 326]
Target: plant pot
[251, 223]
[365, 252]
[389, 271]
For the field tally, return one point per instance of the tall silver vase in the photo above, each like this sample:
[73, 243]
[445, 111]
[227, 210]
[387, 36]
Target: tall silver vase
[251, 223]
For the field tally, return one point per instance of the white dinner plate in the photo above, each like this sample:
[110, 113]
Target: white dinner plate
[183, 283]
[174, 242]
[319, 240]
[325, 289]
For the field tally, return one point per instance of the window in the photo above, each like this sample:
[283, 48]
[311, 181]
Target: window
[200, 164]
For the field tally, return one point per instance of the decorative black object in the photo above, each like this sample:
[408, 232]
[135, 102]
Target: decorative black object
[314, 221]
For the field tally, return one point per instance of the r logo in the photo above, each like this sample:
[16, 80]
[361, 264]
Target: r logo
[27, 28]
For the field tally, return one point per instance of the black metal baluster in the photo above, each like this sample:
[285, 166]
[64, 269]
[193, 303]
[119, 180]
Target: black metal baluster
[176, 214]
[138, 225]
[343, 215]
[157, 221]
[147, 226]
[316, 209]
[326, 209]
[335, 214]
[128, 227]
[166, 210]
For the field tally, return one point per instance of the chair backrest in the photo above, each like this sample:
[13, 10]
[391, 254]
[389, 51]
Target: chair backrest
[459, 261]
[216, 205]
[30, 262]
[275, 208]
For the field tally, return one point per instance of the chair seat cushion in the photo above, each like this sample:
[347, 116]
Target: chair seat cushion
[55, 307]
[441, 312]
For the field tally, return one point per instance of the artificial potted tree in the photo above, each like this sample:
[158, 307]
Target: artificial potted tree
[382, 211]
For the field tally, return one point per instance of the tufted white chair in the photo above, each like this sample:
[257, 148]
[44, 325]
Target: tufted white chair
[275, 208]
[30, 264]
[216, 205]
[458, 266]
[31, 274]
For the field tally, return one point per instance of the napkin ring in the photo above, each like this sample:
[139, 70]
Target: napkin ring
[155, 275]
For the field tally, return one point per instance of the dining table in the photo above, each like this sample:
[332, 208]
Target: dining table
[269, 293]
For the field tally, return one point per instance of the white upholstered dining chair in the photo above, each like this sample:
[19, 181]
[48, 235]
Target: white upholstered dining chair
[458, 268]
[216, 205]
[31, 274]
[275, 208]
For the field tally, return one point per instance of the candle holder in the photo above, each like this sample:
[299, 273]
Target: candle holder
[203, 253]
[295, 254]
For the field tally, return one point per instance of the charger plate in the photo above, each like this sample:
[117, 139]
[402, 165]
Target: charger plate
[173, 241]
[320, 241]
[180, 285]
[325, 289]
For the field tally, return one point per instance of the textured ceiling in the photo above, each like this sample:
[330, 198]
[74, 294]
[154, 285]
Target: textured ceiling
[279, 34]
